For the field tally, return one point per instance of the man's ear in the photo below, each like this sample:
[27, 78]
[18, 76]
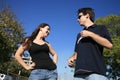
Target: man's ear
[87, 16]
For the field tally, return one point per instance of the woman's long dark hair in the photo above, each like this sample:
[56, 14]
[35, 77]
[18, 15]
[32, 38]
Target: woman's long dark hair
[28, 40]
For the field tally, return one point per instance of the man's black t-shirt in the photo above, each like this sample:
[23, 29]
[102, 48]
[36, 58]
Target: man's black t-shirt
[89, 53]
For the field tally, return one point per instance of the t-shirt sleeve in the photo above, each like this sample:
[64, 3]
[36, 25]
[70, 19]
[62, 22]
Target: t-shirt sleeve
[76, 43]
[106, 34]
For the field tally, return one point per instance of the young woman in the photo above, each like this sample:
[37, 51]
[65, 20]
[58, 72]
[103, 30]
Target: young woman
[43, 66]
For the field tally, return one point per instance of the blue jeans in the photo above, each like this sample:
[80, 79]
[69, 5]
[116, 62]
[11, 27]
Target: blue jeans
[43, 74]
[92, 77]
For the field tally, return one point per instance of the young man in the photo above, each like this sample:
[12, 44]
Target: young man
[89, 48]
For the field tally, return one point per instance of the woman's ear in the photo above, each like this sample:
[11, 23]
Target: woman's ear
[40, 29]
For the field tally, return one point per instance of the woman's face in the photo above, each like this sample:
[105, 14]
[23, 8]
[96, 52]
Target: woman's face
[45, 31]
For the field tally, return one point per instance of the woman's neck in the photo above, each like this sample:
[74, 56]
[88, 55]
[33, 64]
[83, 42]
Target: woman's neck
[39, 36]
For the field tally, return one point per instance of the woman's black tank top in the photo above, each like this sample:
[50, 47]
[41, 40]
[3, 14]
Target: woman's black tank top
[40, 55]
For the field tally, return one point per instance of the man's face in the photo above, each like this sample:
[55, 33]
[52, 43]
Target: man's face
[81, 19]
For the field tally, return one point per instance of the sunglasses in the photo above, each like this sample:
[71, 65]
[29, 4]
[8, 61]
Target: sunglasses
[79, 16]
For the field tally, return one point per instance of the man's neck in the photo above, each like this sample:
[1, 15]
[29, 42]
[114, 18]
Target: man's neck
[89, 24]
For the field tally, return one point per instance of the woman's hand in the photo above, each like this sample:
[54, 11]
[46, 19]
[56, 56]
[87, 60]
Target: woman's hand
[31, 66]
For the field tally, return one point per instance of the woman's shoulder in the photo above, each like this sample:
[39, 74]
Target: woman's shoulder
[46, 42]
[26, 43]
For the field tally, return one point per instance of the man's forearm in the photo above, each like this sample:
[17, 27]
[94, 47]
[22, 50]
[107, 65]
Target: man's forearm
[101, 40]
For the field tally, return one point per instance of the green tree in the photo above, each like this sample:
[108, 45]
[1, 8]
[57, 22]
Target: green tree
[14, 69]
[112, 22]
[11, 32]
[112, 57]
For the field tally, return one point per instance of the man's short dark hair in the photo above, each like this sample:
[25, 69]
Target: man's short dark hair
[89, 11]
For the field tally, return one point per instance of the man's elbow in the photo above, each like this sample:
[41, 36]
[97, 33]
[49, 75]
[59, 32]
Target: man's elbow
[110, 46]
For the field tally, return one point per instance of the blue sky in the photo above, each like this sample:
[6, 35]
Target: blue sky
[61, 15]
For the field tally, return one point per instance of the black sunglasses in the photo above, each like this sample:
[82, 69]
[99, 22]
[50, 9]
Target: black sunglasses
[79, 16]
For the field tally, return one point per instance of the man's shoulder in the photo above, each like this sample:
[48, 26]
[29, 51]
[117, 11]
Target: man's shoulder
[100, 26]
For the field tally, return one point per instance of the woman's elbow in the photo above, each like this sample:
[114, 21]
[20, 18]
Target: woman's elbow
[15, 56]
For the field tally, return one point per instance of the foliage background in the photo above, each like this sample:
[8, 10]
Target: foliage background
[112, 57]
